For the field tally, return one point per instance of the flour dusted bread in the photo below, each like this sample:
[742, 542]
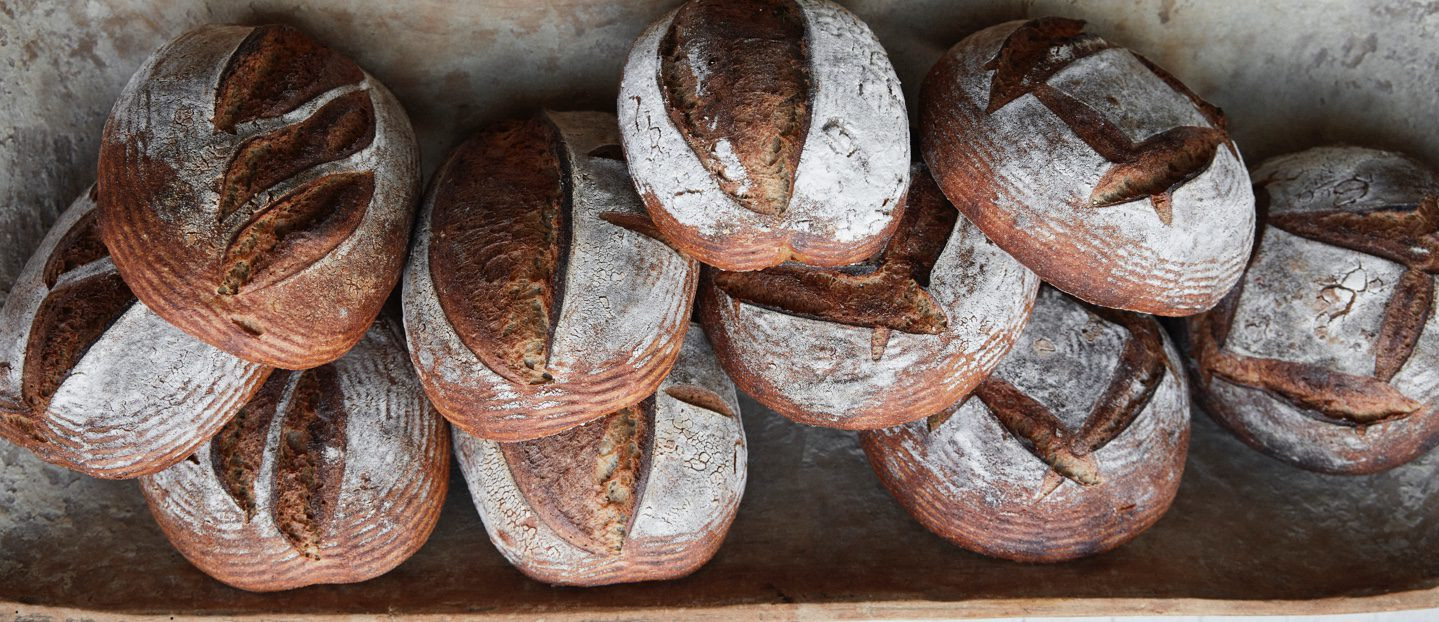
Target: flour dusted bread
[1324, 356]
[330, 475]
[1092, 166]
[91, 379]
[256, 189]
[1074, 446]
[644, 493]
[761, 131]
[876, 344]
[538, 295]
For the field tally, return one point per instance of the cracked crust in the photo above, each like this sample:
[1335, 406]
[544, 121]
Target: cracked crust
[843, 357]
[555, 508]
[1074, 446]
[93, 381]
[335, 475]
[256, 190]
[1321, 356]
[601, 303]
[1133, 155]
[743, 169]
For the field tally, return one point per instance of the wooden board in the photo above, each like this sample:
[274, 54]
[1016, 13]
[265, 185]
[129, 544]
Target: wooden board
[816, 536]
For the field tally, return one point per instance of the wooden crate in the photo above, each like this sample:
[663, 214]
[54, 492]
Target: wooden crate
[816, 536]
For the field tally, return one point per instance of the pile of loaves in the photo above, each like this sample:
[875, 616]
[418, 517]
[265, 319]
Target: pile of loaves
[205, 317]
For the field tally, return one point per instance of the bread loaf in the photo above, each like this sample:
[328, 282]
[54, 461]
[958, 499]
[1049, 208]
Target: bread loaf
[1074, 446]
[1324, 355]
[256, 189]
[876, 344]
[1091, 165]
[645, 493]
[538, 296]
[761, 131]
[330, 475]
[91, 379]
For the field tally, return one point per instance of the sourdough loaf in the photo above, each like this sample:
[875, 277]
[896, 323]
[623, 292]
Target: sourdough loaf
[256, 190]
[1074, 446]
[1091, 165]
[1324, 355]
[330, 475]
[644, 493]
[91, 379]
[876, 344]
[761, 131]
[538, 296]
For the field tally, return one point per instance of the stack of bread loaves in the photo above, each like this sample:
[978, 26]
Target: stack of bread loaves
[583, 293]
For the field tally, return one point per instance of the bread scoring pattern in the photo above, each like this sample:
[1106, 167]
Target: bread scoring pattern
[244, 172]
[94, 381]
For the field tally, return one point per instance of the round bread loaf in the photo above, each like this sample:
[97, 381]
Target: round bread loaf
[330, 475]
[877, 344]
[1073, 447]
[1091, 165]
[256, 191]
[1325, 354]
[645, 493]
[538, 295]
[91, 379]
[761, 131]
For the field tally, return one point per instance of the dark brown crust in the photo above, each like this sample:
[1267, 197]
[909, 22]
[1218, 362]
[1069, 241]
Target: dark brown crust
[274, 70]
[1136, 376]
[586, 482]
[889, 295]
[700, 397]
[1400, 233]
[295, 231]
[1141, 367]
[80, 245]
[752, 99]
[1041, 432]
[499, 243]
[68, 322]
[1405, 315]
[1033, 53]
[638, 223]
[236, 452]
[1405, 234]
[339, 129]
[310, 460]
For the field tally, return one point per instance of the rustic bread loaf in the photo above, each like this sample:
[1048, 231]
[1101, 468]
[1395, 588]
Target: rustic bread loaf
[538, 296]
[256, 189]
[1324, 356]
[1073, 447]
[644, 493]
[760, 131]
[91, 379]
[331, 475]
[876, 344]
[1091, 165]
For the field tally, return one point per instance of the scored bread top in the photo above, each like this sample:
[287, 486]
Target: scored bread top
[880, 343]
[1093, 166]
[645, 493]
[591, 324]
[743, 168]
[257, 189]
[94, 381]
[1323, 355]
[330, 475]
[1074, 445]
